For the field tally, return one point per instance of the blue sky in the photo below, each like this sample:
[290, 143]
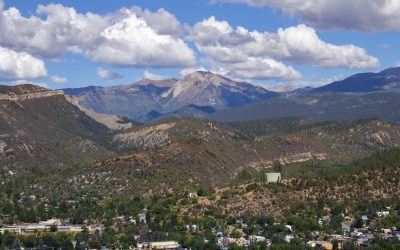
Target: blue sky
[74, 69]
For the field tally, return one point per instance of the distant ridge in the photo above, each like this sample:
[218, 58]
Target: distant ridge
[365, 82]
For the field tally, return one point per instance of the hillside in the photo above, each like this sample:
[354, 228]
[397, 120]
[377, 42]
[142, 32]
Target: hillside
[42, 130]
[372, 179]
[50, 144]
[319, 107]
[174, 154]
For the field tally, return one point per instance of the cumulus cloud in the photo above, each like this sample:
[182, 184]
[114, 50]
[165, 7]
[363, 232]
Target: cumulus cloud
[62, 30]
[128, 37]
[254, 54]
[58, 79]
[105, 74]
[371, 15]
[20, 65]
[260, 68]
[153, 76]
[303, 46]
[188, 71]
[161, 21]
[132, 42]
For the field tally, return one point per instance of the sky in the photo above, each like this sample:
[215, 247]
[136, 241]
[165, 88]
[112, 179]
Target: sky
[279, 44]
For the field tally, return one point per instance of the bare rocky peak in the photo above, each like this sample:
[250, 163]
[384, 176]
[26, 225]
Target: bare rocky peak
[197, 82]
[206, 77]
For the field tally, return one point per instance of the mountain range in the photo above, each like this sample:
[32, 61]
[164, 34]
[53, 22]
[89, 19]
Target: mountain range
[197, 93]
[205, 94]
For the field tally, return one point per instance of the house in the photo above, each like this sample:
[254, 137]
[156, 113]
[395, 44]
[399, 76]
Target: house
[70, 229]
[289, 228]
[365, 240]
[192, 195]
[273, 177]
[96, 227]
[51, 222]
[381, 214]
[3, 146]
[320, 244]
[256, 239]
[142, 218]
[11, 229]
[142, 245]
[289, 237]
[225, 242]
[164, 245]
[242, 242]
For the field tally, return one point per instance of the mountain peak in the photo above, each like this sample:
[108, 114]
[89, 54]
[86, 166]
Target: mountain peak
[207, 77]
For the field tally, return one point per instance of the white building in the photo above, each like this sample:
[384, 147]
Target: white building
[273, 177]
[164, 245]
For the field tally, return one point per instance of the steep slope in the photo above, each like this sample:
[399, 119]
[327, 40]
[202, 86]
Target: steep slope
[111, 121]
[42, 129]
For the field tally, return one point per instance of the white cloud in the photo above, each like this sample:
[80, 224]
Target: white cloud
[58, 79]
[188, 71]
[305, 47]
[370, 15]
[62, 30]
[152, 76]
[128, 37]
[258, 68]
[259, 53]
[161, 21]
[132, 42]
[103, 73]
[20, 65]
